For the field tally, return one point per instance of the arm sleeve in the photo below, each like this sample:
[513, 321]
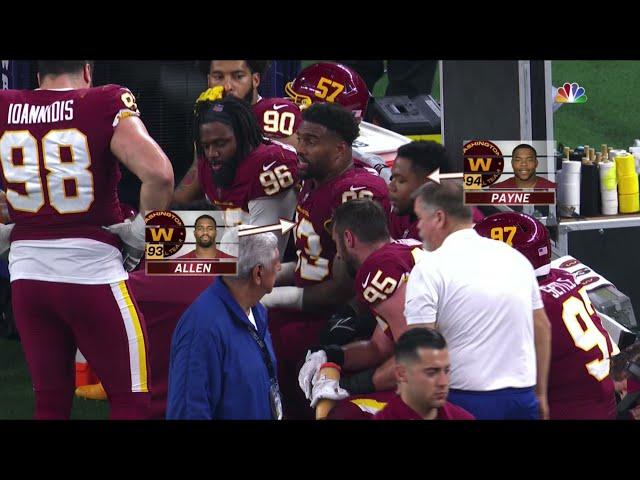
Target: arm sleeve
[421, 303]
[269, 210]
[373, 161]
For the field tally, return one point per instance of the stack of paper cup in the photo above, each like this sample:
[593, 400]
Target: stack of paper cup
[608, 190]
[628, 196]
[570, 188]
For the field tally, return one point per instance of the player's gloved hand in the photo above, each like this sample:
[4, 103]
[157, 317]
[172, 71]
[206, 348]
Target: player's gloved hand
[316, 356]
[5, 233]
[132, 235]
[309, 369]
[328, 388]
[347, 326]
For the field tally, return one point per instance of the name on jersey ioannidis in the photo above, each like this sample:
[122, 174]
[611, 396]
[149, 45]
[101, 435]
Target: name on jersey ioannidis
[26, 114]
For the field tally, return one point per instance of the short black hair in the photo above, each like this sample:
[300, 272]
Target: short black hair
[364, 217]
[237, 114]
[415, 338]
[335, 118]
[524, 145]
[59, 67]
[258, 66]
[425, 156]
[255, 66]
[447, 196]
[205, 216]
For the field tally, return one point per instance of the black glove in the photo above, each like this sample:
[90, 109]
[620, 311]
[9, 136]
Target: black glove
[344, 327]
[334, 353]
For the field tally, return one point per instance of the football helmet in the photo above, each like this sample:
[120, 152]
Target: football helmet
[522, 232]
[330, 82]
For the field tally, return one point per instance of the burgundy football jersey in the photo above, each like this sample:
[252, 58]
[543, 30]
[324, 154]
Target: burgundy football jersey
[60, 174]
[579, 383]
[314, 244]
[406, 226]
[396, 409]
[277, 117]
[269, 170]
[383, 272]
[219, 254]
[361, 407]
[162, 300]
[403, 227]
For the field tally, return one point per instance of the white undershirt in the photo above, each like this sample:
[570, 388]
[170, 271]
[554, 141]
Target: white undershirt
[251, 319]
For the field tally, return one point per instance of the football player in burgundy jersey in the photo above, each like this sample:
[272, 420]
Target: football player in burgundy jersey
[278, 118]
[336, 83]
[60, 149]
[580, 386]
[415, 161]
[251, 178]
[322, 284]
[204, 231]
[422, 372]
[381, 267]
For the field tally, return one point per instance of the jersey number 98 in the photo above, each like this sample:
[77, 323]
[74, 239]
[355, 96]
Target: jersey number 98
[58, 172]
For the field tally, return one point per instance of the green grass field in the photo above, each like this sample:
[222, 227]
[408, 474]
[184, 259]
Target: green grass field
[16, 394]
[609, 116]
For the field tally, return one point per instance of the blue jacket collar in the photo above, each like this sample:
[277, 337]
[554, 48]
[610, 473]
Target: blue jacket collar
[223, 292]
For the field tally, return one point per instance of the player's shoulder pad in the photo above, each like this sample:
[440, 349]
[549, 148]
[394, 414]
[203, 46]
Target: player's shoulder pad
[379, 277]
[277, 104]
[359, 185]
[119, 97]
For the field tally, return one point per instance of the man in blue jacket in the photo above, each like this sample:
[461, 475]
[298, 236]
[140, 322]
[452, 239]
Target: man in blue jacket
[222, 362]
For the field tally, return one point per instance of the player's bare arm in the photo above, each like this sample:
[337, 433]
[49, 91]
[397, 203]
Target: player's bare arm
[286, 275]
[365, 354]
[332, 293]
[134, 147]
[542, 335]
[329, 295]
[188, 190]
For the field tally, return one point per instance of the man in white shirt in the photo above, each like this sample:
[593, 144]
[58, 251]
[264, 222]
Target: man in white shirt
[483, 297]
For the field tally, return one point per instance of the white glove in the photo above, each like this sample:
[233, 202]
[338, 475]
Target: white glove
[5, 233]
[324, 387]
[132, 235]
[309, 369]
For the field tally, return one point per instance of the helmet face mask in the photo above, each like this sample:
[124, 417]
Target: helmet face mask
[330, 82]
[522, 232]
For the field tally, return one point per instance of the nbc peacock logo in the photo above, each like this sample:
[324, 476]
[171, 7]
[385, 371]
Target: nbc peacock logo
[571, 93]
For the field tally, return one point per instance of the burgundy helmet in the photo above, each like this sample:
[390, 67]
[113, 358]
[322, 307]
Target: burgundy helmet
[522, 232]
[330, 82]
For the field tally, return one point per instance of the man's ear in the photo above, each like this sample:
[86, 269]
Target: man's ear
[400, 371]
[87, 73]
[342, 147]
[256, 274]
[349, 238]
